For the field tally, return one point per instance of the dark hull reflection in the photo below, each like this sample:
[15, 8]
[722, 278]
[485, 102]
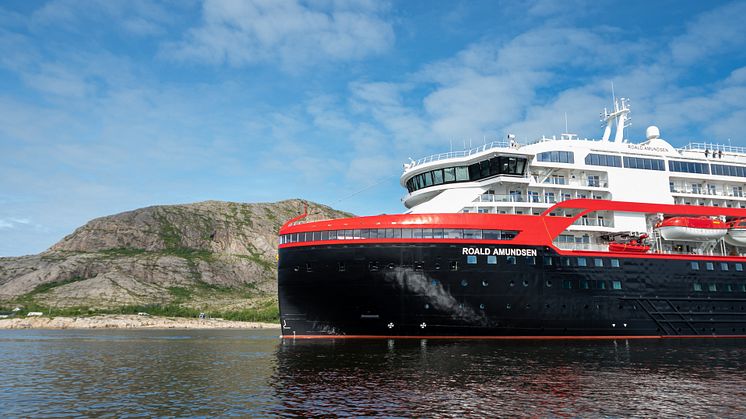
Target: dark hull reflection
[481, 378]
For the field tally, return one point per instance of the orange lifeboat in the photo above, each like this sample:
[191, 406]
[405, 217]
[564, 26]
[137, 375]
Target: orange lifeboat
[698, 229]
[632, 246]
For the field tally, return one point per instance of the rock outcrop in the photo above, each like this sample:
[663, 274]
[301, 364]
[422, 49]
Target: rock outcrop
[208, 256]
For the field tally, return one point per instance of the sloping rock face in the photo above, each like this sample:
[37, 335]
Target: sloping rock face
[206, 255]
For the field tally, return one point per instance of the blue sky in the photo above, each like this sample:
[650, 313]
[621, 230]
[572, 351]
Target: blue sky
[108, 105]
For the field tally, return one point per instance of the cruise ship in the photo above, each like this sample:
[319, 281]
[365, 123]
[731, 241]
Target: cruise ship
[555, 238]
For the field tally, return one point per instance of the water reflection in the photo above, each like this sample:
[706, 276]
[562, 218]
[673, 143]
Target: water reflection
[480, 378]
[253, 373]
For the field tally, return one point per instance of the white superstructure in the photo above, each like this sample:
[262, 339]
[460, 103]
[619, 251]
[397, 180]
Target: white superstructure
[512, 178]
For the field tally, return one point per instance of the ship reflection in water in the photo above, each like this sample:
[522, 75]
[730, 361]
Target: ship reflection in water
[209, 373]
[495, 378]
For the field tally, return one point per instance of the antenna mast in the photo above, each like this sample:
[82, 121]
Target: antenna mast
[620, 116]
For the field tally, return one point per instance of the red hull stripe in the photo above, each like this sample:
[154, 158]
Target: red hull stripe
[515, 337]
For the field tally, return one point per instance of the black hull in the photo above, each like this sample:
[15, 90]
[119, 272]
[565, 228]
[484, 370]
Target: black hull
[430, 290]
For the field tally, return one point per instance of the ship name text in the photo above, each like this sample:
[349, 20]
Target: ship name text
[501, 251]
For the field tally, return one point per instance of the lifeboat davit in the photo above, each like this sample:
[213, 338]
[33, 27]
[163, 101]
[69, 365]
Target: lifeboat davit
[697, 229]
[736, 233]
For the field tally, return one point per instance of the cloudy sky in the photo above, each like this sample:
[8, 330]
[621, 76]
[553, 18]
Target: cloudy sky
[111, 105]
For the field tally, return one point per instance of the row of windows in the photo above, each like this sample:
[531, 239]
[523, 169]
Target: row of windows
[642, 163]
[710, 266]
[556, 156]
[501, 165]
[399, 233]
[603, 160]
[719, 287]
[726, 170]
[688, 167]
[549, 261]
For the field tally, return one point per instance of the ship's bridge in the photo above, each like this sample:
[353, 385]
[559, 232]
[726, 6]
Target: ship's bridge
[462, 172]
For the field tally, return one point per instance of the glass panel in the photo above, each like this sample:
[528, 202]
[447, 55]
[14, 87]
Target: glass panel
[614, 263]
[406, 233]
[437, 177]
[462, 174]
[427, 233]
[510, 260]
[491, 235]
[491, 260]
[449, 174]
[617, 285]
[694, 266]
[582, 262]
[417, 233]
[473, 234]
[454, 233]
[471, 259]
[598, 262]
[324, 235]
[437, 233]
[333, 235]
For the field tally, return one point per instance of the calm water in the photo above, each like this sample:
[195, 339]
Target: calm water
[253, 373]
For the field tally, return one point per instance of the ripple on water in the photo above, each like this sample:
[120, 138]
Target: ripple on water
[219, 372]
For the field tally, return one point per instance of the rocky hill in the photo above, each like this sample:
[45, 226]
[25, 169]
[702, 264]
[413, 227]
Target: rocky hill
[215, 257]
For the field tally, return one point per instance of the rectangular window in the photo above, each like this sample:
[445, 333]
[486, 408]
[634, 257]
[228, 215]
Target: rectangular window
[427, 233]
[406, 233]
[598, 262]
[530, 260]
[642, 163]
[416, 233]
[491, 235]
[709, 266]
[584, 285]
[473, 234]
[739, 267]
[603, 160]
[324, 235]
[438, 233]
[712, 287]
[723, 266]
[547, 260]
[492, 260]
[601, 284]
[453, 233]
[582, 262]
[567, 284]
[471, 259]
[462, 174]
[729, 287]
[437, 177]
[697, 286]
[566, 261]
[428, 179]
[614, 263]
[510, 260]
[616, 285]
[694, 266]
[333, 235]
[449, 174]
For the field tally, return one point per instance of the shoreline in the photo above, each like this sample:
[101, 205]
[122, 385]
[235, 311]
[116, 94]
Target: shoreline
[128, 321]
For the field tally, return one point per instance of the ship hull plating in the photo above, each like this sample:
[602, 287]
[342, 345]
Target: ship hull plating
[437, 290]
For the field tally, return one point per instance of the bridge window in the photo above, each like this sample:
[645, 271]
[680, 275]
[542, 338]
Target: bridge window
[642, 163]
[688, 167]
[603, 160]
[556, 157]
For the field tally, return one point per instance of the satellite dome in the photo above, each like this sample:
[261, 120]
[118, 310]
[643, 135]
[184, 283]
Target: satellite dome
[652, 132]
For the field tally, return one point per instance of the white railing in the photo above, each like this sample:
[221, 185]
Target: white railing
[714, 147]
[462, 153]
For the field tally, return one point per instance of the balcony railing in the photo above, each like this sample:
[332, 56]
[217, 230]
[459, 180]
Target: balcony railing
[521, 198]
[461, 153]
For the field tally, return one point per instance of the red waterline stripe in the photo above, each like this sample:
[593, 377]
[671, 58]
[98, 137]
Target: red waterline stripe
[516, 337]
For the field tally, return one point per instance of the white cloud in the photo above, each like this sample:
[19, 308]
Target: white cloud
[5, 224]
[711, 33]
[285, 31]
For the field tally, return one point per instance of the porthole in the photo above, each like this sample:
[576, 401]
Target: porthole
[437, 266]
[549, 282]
[508, 306]
[482, 306]
[427, 306]
[296, 268]
[485, 283]
[511, 283]
[464, 282]
[391, 266]
[525, 283]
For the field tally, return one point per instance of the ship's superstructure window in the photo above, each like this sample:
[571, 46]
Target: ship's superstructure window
[398, 233]
[643, 163]
[593, 159]
[739, 267]
[556, 156]
[728, 170]
[688, 167]
[492, 260]
[709, 266]
[697, 286]
[695, 266]
[500, 165]
[616, 285]
[614, 263]
[582, 262]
